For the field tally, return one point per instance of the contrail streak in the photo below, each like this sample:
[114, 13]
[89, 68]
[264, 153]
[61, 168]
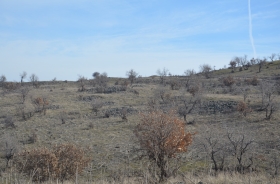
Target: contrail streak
[250, 28]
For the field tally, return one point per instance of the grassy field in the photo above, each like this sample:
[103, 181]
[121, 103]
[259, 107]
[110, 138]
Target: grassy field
[69, 119]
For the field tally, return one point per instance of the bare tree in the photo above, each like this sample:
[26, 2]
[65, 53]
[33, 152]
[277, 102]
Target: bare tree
[241, 148]
[23, 94]
[162, 137]
[206, 70]
[22, 76]
[190, 74]
[162, 74]
[100, 81]
[131, 74]
[237, 60]
[272, 57]
[190, 103]
[268, 94]
[261, 63]
[82, 83]
[3, 79]
[232, 65]
[34, 80]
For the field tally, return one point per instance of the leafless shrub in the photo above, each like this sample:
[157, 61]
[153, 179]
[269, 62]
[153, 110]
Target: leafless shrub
[100, 80]
[23, 92]
[162, 138]
[63, 117]
[241, 147]
[34, 80]
[163, 94]
[244, 91]
[206, 69]
[232, 65]
[9, 122]
[96, 105]
[123, 114]
[229, 81]
[253, 81]
[33, 138]
[9, 147]
[40, 104]
[3, 79]
[11, 86]
[82, 83]
[24, 112]
[175, 83]
[190, 75]
[162, 75]
[131, 74]
[22, 76]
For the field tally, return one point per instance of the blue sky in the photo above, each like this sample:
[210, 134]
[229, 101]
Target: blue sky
[67, 38]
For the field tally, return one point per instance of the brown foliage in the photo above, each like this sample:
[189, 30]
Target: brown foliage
[61, 162]
[39, 164]
[162, 137]
[71, 160]
[253, 81]
[40, 104]
[243, 108]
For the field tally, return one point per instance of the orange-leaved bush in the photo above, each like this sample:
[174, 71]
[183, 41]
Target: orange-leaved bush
[162, 137]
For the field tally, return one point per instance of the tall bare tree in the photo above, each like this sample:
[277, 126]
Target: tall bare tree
[131, 74]
[163, 74]
[34, 80]
[206, 70]
[272, 57]
[22, 76]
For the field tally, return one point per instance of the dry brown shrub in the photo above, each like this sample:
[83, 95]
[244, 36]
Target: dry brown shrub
[40, 104]
[229, 81]
[39, 164]
[252, 81]
[194, 89]
[71, 160]
[62, 162]
[162, 138]
[243, 108]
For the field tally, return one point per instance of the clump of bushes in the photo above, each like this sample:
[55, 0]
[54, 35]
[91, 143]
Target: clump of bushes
[61, 162]
[253, 81]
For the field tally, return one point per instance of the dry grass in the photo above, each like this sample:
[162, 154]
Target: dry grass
[110, 138]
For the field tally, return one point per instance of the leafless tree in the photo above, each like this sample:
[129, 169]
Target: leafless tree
[237, 60]
[131, 74]
[22, 76]
[3, 79]
[206, 70]
[96, 105]
[190, 75]
[272, 57]
[232, 65]
[100, 81]
[268, 93]
[261, 63]
[162, 74]
[241, 148]
[253, 61]
[190, 103]
[82, 83]
[163, 94]
[214, 145]
[23, 93]
[244, 91]
[34, 80]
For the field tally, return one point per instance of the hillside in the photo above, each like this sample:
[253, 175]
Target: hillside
[103, 115]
